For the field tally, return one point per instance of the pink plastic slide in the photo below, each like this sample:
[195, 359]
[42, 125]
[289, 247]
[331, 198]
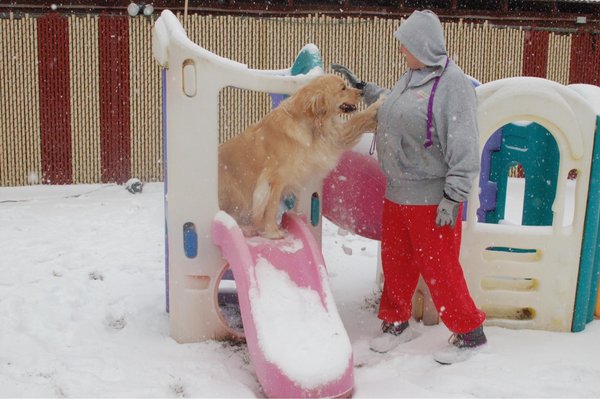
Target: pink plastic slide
[297, 342]
[353, 195]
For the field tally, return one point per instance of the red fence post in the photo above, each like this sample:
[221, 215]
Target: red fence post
[585, 58]
[55, 99]
[535, 54]
[115, 130]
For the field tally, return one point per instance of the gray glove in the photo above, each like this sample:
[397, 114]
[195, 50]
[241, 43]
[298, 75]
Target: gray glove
[350, 76]
[447, 212]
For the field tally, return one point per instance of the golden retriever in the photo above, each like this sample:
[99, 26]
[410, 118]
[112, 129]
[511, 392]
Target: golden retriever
[299, 141]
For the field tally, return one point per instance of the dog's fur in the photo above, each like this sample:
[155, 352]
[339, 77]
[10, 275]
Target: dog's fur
[300, 140]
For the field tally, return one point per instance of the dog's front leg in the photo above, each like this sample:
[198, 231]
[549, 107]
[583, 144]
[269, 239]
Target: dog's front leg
[362, 122]
[272, 229]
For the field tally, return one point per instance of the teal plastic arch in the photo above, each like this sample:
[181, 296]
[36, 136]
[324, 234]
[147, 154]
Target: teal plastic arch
[535, 149]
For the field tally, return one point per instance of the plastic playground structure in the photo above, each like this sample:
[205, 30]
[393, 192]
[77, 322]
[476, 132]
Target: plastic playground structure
[542, 274]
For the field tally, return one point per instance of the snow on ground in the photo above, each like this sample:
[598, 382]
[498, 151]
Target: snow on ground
[82, 315]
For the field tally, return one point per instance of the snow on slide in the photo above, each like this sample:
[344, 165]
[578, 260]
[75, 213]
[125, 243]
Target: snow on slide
[296, 339]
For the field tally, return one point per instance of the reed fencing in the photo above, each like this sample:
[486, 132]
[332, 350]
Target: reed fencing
[80, 96]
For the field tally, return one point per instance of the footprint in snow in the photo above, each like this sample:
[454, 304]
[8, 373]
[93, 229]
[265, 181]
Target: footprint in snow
[177, 389]
[96, 276]
[116, 323]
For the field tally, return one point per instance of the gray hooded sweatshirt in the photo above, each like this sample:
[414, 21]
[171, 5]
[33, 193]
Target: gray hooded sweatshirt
[417, 175]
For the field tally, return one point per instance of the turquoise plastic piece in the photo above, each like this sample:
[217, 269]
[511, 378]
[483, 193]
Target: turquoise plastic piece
[589, 267]
[535, 149]
[307, 59]
[289, 201]
[315, 209]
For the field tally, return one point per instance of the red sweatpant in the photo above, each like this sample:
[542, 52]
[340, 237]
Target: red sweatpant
[412, 244]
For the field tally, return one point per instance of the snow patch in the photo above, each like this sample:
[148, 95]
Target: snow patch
[293, 328]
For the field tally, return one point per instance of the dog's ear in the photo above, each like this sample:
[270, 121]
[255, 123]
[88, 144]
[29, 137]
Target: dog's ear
[316, 104]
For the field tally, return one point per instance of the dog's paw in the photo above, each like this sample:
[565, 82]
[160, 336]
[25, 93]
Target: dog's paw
[273, 234]
[249, 231]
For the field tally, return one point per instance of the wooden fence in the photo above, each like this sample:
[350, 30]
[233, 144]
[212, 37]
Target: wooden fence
[80, 96]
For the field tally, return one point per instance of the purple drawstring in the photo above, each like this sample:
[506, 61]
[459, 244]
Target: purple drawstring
[428, 142]
[372, 148]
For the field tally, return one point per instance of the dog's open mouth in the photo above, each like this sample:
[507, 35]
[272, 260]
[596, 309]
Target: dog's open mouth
[347, 108]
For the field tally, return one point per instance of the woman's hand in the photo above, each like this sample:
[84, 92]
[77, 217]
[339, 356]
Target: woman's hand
[350, 76]
[447, 212]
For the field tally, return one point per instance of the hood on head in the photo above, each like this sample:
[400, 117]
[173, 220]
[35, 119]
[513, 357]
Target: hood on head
[422, 34]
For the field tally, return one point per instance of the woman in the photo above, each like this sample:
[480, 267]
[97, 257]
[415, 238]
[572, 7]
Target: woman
[428, 148]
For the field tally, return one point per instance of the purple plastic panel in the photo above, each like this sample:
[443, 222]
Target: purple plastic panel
[489, 190]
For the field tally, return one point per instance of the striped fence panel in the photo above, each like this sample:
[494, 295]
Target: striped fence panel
[85, 99]
[80, 96]
[559, 57]
[145, 103]
[20, 141]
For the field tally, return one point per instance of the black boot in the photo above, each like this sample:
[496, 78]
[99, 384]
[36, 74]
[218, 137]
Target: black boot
[392, 335]
[463, 346]
[470, 339]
